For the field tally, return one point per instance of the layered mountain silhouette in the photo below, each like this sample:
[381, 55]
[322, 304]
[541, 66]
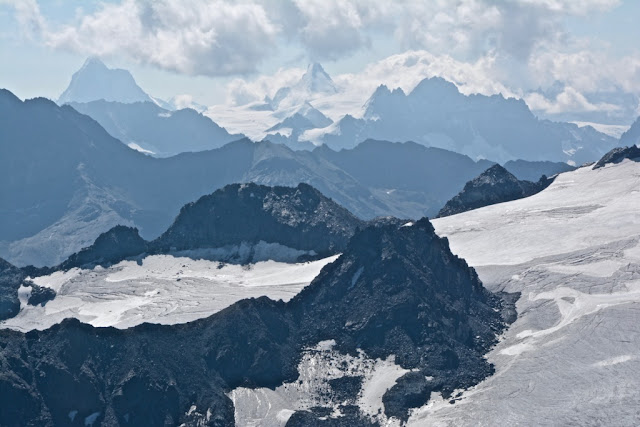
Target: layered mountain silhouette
[154, 130]
[398, 289]
[532, 171]
[495, 185]
[436, 114]
[291, 218]
[88, 182]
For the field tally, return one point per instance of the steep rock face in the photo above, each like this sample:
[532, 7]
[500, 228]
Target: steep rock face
[617, 155]
[299, 218]
[110, 247]
[396, 290]
[495, 185]
[10, 280]
[632, 135]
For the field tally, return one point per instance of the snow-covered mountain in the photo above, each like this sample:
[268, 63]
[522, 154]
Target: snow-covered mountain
[285, 116]
[436, 114]
[314, 82]
[94, 81]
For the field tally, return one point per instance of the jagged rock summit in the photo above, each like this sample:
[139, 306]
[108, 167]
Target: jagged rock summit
[94, 81]
[299, 218]
[617, 155]
[495, 185]
[110, 247]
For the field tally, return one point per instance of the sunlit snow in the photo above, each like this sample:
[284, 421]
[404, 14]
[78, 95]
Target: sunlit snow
[573, 251]
[162, 289]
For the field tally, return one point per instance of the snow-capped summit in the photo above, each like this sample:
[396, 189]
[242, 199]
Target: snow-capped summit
[315, 82]
[95, 81]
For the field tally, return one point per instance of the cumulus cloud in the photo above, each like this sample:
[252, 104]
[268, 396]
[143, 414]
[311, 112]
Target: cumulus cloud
[569, 100]
[224, 37]
[213, 38]
[244, 91]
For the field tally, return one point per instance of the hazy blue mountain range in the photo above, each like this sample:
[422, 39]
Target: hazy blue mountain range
[631, 136]
[65, 179]
[436, 114]
[149, 128]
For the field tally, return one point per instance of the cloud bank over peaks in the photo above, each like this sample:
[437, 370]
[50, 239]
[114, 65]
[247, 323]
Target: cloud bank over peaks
[222, 37]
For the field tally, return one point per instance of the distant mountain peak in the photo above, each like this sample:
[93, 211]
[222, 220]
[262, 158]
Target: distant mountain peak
[95, 81]
[93, 62]
[435, 86]
[316, 80]
[632, 135]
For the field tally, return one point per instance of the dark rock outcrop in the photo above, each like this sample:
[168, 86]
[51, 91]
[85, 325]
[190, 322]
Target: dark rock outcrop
[619, 154]
[495, 185]
[10, 280]
[109, 248]
[40, 295]
[410, 391]
[394, 291]
[299, 218]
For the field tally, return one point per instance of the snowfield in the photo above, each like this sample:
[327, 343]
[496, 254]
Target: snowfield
[319, 365]
[162, 289]
[573, 355]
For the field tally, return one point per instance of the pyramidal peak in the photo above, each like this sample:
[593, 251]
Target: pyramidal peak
[95, 81]
[317, 80]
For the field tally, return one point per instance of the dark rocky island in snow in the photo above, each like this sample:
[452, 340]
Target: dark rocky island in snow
[617, 155]
[495, 185]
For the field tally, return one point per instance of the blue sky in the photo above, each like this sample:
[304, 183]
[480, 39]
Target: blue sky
[201, 48]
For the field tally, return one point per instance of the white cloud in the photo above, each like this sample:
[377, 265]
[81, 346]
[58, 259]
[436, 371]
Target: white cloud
[242, 91]
[224, 37]
[191, 37]
[569, 100]
[407, 69]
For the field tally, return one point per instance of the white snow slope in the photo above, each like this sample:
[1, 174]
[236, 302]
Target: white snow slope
[573, 355]
[162, 289]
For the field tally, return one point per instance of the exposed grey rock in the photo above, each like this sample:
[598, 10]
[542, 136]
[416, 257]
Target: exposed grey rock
[618, 154]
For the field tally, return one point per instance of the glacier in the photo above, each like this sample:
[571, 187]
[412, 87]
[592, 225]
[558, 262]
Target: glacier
[164, 289]
[573, 252]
